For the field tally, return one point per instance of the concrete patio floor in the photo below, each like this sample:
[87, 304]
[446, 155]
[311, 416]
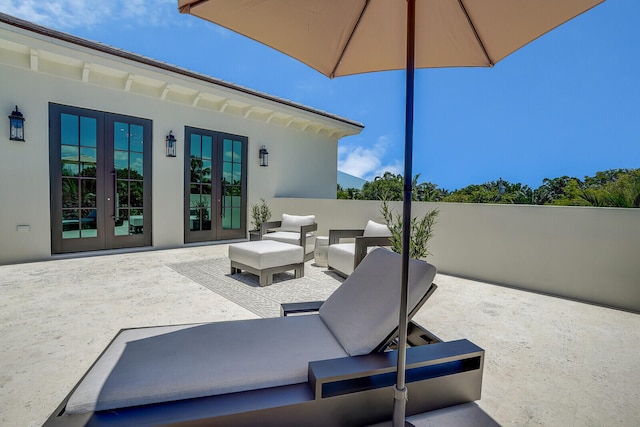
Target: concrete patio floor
[549, 361]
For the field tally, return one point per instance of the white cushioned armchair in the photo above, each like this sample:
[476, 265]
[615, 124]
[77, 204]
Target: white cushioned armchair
[345, 257]
[293, 229]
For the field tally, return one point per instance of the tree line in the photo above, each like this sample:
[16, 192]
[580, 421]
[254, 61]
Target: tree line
[610, 188]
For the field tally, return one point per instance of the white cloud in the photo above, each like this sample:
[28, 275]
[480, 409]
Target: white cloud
[367, 162]
[65, 14]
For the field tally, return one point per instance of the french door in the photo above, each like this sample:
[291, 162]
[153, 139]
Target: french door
[215, 185]
[100, 169]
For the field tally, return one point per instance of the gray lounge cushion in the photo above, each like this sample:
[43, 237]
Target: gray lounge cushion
[161, 364]
[364, 310]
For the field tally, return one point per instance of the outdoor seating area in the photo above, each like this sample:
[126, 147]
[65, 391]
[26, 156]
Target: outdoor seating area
[277, 251]
[544, 362]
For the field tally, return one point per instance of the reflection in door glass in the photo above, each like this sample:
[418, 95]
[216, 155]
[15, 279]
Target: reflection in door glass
[88, 161]
[88, 131]
[69, 129]
[89, 227]
[128, 159]
[200, 213]
[136, 138]
[136, 221]
[78, 157]
[232, 176]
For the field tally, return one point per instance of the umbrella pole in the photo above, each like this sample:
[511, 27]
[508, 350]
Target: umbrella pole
[400, 392]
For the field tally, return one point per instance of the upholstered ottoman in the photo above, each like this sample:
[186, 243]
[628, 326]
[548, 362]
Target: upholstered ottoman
[264, 258]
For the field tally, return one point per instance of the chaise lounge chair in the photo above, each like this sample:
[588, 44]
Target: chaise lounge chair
[330, 368]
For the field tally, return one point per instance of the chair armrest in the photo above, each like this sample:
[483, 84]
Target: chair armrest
[336, 235]
[268, 226]
[304, 229]
[363, 243]
[300, 308]
[336, 377]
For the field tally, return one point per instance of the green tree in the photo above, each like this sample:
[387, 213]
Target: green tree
[564, 191]
[385, 187]
[348, 193]
[571, 194]
[427, 191]
[613, 188]
[391, 187]
[604, 178]
[475, 193]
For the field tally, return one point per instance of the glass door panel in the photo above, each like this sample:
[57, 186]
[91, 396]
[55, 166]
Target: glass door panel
[78, 158]
[201, 191]
[232, 184]
[128, 158]
[76, 183]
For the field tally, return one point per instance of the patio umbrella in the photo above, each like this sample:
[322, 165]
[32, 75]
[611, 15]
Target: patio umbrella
[345, 37]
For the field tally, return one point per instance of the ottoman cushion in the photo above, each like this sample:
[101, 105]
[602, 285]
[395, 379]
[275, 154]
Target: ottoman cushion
[292, 239]
[265, 254]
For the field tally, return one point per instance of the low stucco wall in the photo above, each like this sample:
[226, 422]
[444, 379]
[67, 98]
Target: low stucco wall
[587, 254]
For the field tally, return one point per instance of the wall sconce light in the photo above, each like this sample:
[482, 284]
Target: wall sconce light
[264, 156]
[171, 145]
[16, 126]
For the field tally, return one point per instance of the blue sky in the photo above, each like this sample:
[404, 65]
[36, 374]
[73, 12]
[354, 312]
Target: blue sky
[566, 104]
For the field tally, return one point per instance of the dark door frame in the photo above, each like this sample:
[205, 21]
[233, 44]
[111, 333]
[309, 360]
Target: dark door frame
[105, 182]
[217, 232]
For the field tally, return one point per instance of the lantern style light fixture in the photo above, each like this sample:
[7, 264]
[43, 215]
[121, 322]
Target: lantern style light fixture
[16, 126]
[264, 156]
[171, 145]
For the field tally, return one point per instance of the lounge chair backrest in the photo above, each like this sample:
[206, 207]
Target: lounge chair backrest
[294, 222]
[375, 229]
[364, 310]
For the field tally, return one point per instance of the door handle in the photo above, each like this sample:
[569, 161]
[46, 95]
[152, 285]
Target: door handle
[115, 193]
[223, 191]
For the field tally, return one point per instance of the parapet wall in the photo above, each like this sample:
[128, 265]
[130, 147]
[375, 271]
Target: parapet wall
[583, 253]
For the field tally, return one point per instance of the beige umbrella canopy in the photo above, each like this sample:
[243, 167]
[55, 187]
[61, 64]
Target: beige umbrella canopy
[345, 37]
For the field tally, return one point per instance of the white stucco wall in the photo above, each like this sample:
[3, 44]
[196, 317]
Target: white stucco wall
[36, 70]
[584, 253]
